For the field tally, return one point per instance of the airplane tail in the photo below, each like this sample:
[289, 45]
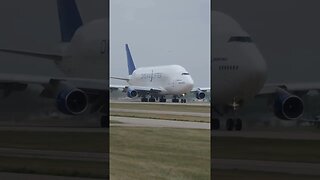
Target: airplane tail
[131, 66]
[69, 18]
[70, 21]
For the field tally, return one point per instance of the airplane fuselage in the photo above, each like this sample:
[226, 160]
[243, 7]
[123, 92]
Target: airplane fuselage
[239, 70]
[173, 79]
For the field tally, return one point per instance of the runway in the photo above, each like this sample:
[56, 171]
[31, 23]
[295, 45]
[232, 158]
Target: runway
[144, 122]
[205, 104]
[180, 113]
[55, 129]
[267, 166]
[289, 135]
[49, 154]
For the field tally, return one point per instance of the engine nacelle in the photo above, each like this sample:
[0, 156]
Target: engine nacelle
[200, 95]
[131, 93]
[72, 101]
[288, 106]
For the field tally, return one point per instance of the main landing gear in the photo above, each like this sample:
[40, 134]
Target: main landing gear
[231, 124]
[151, 99]
[176, 100]
[162, 99]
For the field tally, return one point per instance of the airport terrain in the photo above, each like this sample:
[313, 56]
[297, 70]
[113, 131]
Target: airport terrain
[153, 146]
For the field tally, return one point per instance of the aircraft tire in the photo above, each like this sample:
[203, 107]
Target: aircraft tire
[183, 101]
[152, 100]
[104, 123]
[175, 100]
[238, 124]
[162, 100]
[144, 99]
[230, 124]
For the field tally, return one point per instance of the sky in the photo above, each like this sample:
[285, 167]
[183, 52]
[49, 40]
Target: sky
[286, 32]
[161, 32]
[33, 25]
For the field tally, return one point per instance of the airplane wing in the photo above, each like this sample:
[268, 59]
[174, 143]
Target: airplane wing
[141, 90]
[203, 89]
[117, 87]
[95, 90]
[120, 78]
[200, 93]
[295, 88]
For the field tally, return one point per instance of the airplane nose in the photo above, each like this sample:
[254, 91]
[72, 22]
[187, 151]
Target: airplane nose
[190, 83]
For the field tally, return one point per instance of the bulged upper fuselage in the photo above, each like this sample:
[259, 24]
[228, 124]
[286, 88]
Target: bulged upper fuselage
[239, 70]
[173, 79]
[87, 55]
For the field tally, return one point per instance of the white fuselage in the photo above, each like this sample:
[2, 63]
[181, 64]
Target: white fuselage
[172, 79]
[239, 70]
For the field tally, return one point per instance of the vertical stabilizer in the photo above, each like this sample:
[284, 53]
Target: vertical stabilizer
[131, 66]
[69, 18]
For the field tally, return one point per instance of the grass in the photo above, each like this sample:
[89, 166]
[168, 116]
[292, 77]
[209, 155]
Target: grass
[162, 116]
[54, 167]
[161, 107]
[266, 149]
[159, 153]
[64, 141]
[254, 175]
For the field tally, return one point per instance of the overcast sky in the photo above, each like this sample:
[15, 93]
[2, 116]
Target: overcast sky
[161, 32]
[286, 32]
[33, 25]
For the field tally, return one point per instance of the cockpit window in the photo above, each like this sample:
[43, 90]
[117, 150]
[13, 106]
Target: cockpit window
[240, 39]
[185, 73]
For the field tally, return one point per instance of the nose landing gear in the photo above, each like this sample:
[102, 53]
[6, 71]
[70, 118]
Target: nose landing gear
[232, 123]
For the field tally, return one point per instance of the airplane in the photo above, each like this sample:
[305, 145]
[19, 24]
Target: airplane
[83, 87]
[240, 73]
[157, 82]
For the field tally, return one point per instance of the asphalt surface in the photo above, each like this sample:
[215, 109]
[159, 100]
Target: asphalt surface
[55, 129]
[144, 122]
[49, 154]
[161, 112]
[294, 135]
[267, 166]
[167, 103]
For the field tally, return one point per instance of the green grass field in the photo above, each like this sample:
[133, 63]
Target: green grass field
[267, 149]
[159, 153]
[55, 141]
[161, 116]
[63, 141]
[161, 107]
[54, 167]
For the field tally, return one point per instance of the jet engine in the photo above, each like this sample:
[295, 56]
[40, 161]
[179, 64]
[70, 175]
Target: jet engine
[131, 93]
[72, 101]
[200, 94]
[288, 106]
